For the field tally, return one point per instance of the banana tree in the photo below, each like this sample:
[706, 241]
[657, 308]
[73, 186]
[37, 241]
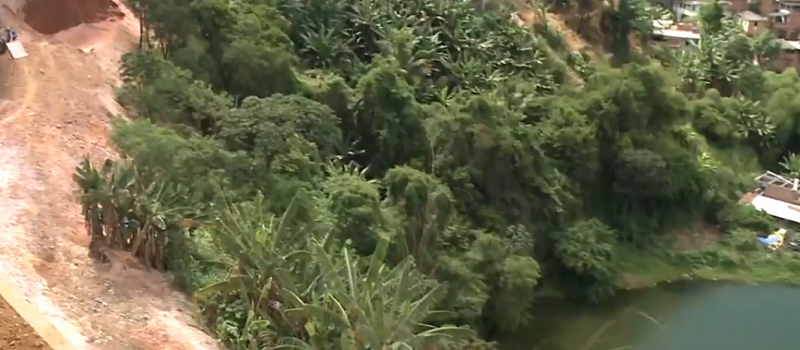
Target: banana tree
[106, 198]
[159, 212]
[121, 212]
[90, 189]
[367, 21]
[382, 308]
[267, 253]
[327, 48]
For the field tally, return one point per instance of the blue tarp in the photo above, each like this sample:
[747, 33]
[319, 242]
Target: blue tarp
[769, 240]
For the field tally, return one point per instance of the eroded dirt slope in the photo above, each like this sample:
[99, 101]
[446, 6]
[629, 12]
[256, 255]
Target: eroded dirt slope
[15, 334]
[55, 109]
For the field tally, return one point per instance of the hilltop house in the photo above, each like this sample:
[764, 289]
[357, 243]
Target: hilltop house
[752, 23]
[778, 196]
[691, 8]
[677, 36]
[781, 17]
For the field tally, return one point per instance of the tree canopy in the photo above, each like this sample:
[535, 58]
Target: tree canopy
[327, 174]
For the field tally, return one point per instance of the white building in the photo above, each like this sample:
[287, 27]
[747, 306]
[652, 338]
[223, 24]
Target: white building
[691, 8]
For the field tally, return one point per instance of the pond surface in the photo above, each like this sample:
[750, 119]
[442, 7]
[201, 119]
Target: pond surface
[684, 316]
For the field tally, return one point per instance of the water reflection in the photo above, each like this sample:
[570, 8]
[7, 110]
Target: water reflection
[686, 316]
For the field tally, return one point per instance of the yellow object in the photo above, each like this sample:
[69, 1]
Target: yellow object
[780, 235]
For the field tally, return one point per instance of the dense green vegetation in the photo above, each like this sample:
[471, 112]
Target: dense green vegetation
[362, 174]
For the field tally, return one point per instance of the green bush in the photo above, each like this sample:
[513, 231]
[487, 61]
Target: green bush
[742, 240]
[711, 257]
[433, 127]
[791, 262]
[198, 266]
[738, 216]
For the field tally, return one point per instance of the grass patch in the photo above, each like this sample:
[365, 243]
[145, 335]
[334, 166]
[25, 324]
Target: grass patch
[757, 267]
[646, 268]
[717, 263]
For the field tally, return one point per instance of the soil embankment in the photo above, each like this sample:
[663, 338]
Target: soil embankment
[53, 16]
[15, 333]
[54, 109]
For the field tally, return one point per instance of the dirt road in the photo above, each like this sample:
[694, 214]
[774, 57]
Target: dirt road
[55, 109]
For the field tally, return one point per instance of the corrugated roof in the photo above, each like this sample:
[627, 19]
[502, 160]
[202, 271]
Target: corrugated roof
[752, 16]
[682, 34]
[777, 208]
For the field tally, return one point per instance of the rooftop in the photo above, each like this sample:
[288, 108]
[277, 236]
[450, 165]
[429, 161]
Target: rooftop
[662, 24]
[780, 13]
[700, 2]
[778, 196]
[772, 179]
[790, 45]
[752, 16]
[777, 208]
[680, 34]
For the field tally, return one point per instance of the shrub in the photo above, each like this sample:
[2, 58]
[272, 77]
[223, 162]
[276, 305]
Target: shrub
[742, 240]
[710, 257]
[746, 217]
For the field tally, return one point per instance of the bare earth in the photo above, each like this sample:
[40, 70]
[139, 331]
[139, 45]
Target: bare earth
[54, 109]
[15, 334]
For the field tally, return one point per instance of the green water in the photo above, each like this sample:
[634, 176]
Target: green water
[693, 316]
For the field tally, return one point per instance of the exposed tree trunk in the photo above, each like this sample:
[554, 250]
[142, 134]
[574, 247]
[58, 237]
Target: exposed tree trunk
[141, 31]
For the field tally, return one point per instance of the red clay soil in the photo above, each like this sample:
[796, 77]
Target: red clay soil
[53, 16]
[15, 334]
[54, 109]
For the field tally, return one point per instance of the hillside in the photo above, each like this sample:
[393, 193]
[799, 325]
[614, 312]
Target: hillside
[55, 109]
[323, 174]
[556, 21]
